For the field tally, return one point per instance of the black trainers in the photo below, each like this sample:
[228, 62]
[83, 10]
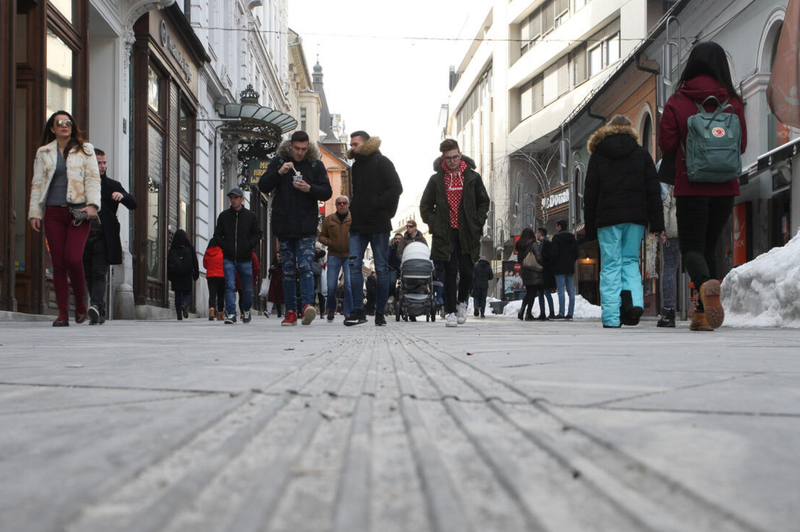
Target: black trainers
[94, 315]
[356, 318]
[379, 319]
[229, 318]
[246, 316]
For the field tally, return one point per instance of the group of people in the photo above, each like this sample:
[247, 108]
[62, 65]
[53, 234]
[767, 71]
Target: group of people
[76, 203]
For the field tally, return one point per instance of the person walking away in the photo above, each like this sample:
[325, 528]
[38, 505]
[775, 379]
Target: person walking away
[394, 265]
[256, 269]
[335, 235]
[215, 279]
[622, 197]
[547, 274]
[182, 271]
[481, 276]
[530, 271]
[65, 192]
[300, 181]
[372, 290]
[376, 190]
[318, 269]
[103, 246]
[454, 205]
[670, 258]
[275, 291]
[237, 232]
[702, 208]
[565, 253]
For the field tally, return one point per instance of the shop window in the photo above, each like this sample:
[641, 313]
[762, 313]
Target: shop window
[155, 191]
[153, 89]
[185, 127]
[185, 194]
[60, 74]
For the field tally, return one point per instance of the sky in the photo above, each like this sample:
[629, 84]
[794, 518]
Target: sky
[386, 69]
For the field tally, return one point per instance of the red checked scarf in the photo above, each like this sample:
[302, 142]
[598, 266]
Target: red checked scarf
[454, 186]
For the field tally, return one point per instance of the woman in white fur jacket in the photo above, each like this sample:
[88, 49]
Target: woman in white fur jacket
[65, 175]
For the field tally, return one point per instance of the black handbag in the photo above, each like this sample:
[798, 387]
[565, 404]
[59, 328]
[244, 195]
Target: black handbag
[79, 215]
[666, 169]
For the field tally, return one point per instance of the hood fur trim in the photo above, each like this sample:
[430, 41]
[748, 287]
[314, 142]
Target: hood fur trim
[372, 145]
[437, 164]
[284, 151]
[607, 131]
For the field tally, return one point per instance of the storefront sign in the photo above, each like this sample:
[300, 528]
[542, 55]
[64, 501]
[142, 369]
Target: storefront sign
[553, 201]
[739, 234]
[256, 169]
[166, 42]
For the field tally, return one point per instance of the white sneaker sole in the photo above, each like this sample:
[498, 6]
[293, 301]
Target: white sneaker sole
[309, 316]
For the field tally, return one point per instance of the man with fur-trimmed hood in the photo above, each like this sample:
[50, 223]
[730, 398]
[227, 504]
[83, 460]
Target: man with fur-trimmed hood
[454, 205]
[299, 180]
[375, 194]
[622, 197]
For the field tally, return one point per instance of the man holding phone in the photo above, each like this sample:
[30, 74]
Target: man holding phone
[299, 180]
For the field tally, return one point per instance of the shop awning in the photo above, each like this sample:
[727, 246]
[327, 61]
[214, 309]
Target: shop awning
[254, 119]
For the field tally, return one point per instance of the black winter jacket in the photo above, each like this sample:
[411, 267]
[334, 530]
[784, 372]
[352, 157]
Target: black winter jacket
[621, 182]
[184, 282]
[531, 277]
[295, 214]
[563, 253]
[108, 216]
[237, 233]
[376, 189]
[482, 274]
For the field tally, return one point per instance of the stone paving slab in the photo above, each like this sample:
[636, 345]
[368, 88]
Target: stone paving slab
[495, 425]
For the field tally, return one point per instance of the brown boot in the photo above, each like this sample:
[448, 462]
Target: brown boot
[699, 322]
[709, 295]
[63, 318]
[81, 311]
[211, 313]
[220, 316]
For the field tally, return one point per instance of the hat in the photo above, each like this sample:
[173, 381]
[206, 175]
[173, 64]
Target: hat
[236, 191]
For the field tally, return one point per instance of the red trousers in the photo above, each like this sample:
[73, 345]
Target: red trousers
[66, 243]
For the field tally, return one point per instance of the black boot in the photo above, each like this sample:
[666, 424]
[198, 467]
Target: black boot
[180, 313]
[628, 314]
[529, 316]
[667, 318]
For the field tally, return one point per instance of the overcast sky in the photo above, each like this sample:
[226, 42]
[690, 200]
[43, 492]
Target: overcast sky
[385, 71]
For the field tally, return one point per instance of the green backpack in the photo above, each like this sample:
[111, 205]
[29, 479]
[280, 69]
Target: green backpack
[713, 144]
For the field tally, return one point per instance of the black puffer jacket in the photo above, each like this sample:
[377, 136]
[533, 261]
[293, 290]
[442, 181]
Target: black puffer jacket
[563, 253]
[531, 277]
[621, 182]
[295, 214]
[237, 233]
[376, 189]
[482, 275]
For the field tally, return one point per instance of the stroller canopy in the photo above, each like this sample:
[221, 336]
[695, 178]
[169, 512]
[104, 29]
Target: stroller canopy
[416, 250]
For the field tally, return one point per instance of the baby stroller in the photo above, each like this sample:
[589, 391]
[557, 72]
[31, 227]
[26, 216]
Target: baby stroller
[415, 295]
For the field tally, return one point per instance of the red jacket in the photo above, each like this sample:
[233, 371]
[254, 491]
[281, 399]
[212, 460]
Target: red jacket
[212, 262]
[672, 132]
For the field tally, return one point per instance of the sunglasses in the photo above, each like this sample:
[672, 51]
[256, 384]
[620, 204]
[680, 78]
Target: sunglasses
[60, 123]
[411, 226]
[341, 203]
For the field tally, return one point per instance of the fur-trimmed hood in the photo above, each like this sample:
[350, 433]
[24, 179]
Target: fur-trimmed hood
[284, 151]
[614, 149]
[437, 164]
[371, 145]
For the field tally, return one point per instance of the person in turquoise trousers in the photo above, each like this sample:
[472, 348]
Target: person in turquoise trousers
[622, 197]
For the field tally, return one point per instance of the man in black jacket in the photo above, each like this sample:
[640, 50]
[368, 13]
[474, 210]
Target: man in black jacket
[376, 192]
[564, 251]
[300, 181]
[237, 233]
[103, 246]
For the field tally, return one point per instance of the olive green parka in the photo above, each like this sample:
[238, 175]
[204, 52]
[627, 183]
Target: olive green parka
[435, 211]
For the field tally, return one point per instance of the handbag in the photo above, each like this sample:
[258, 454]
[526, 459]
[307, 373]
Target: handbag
[531, 262]
[78, 215]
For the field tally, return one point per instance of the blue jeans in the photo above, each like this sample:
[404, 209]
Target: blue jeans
[181, 300]
[545, 293]
[245, 270]
[479, 299]
[619, 253]
[334, 265]
[297, 254]
[564, 280]
[379, 242]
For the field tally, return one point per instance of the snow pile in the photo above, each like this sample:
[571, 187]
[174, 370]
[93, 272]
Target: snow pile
[765, 292]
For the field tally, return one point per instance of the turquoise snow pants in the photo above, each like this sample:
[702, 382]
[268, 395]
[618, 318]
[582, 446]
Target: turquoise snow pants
[619, 254]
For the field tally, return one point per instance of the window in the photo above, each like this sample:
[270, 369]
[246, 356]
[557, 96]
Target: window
[68, 8]
[612, 49]
[153, 89]
[563, 75]
[647, 134]
[605, 48]
[550, 84]
[303, 119]
[579, 4]
[531, 98]
[155, 158]
[60, 74]
[477, 96]
[595, 60]
[578, 60]
[538, 94]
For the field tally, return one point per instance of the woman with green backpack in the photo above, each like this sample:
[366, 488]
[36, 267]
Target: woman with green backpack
[703, 125]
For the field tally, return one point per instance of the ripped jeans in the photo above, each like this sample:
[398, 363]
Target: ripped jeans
[297, 254]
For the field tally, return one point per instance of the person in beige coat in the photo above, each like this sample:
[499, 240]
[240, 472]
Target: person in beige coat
[65, 196]
[335, 234]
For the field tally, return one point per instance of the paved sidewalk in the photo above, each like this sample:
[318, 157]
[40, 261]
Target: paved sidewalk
[495, 425]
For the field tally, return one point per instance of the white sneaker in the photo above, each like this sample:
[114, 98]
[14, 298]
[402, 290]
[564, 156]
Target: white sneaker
[451, 320]
[462, 313]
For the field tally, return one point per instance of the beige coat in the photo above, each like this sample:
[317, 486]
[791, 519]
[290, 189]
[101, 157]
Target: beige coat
[336, 235]
[83, 177]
